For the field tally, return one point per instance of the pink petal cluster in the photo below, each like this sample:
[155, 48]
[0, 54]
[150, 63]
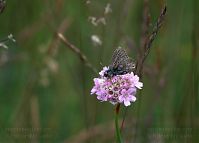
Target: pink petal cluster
[118, 89]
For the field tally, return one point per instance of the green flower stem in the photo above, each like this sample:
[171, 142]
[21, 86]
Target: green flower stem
[117, 129]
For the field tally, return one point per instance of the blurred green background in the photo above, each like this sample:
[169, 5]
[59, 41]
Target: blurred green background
[45, 87]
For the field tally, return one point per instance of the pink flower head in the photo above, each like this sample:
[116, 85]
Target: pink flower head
[118, 89]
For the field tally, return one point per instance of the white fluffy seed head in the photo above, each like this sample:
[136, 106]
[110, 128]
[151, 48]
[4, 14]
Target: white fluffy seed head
[96, 40]
[108, 9]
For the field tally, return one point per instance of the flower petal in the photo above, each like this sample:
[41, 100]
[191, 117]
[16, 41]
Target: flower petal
[132, 98]
[93, 90]
[131, 90]
[118, 89]
[139, 85]
[123, 92]
[121, 98]
[127, 103]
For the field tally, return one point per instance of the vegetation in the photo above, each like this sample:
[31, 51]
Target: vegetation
[46, 75]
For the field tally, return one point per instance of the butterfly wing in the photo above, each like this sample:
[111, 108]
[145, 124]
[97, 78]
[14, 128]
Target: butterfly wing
[130, 65]
[120, 59]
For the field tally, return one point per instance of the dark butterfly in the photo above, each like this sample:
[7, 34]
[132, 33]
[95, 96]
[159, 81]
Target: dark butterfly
[2, 5]
[121, 64]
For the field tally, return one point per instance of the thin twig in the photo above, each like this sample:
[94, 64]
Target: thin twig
[146, 50]
[144, 33]
[145, 27]
[77, 51]
[145, 46]
[55, 43]
[151, 38]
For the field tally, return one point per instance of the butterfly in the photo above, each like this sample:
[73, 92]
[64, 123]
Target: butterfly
[121, 64]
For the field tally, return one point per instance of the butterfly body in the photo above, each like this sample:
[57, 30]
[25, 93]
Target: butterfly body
[114, 71]
[121, 64]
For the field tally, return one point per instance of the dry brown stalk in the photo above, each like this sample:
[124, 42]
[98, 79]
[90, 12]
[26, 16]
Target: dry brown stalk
[150, 40]
[146, 42]
[77, 51]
